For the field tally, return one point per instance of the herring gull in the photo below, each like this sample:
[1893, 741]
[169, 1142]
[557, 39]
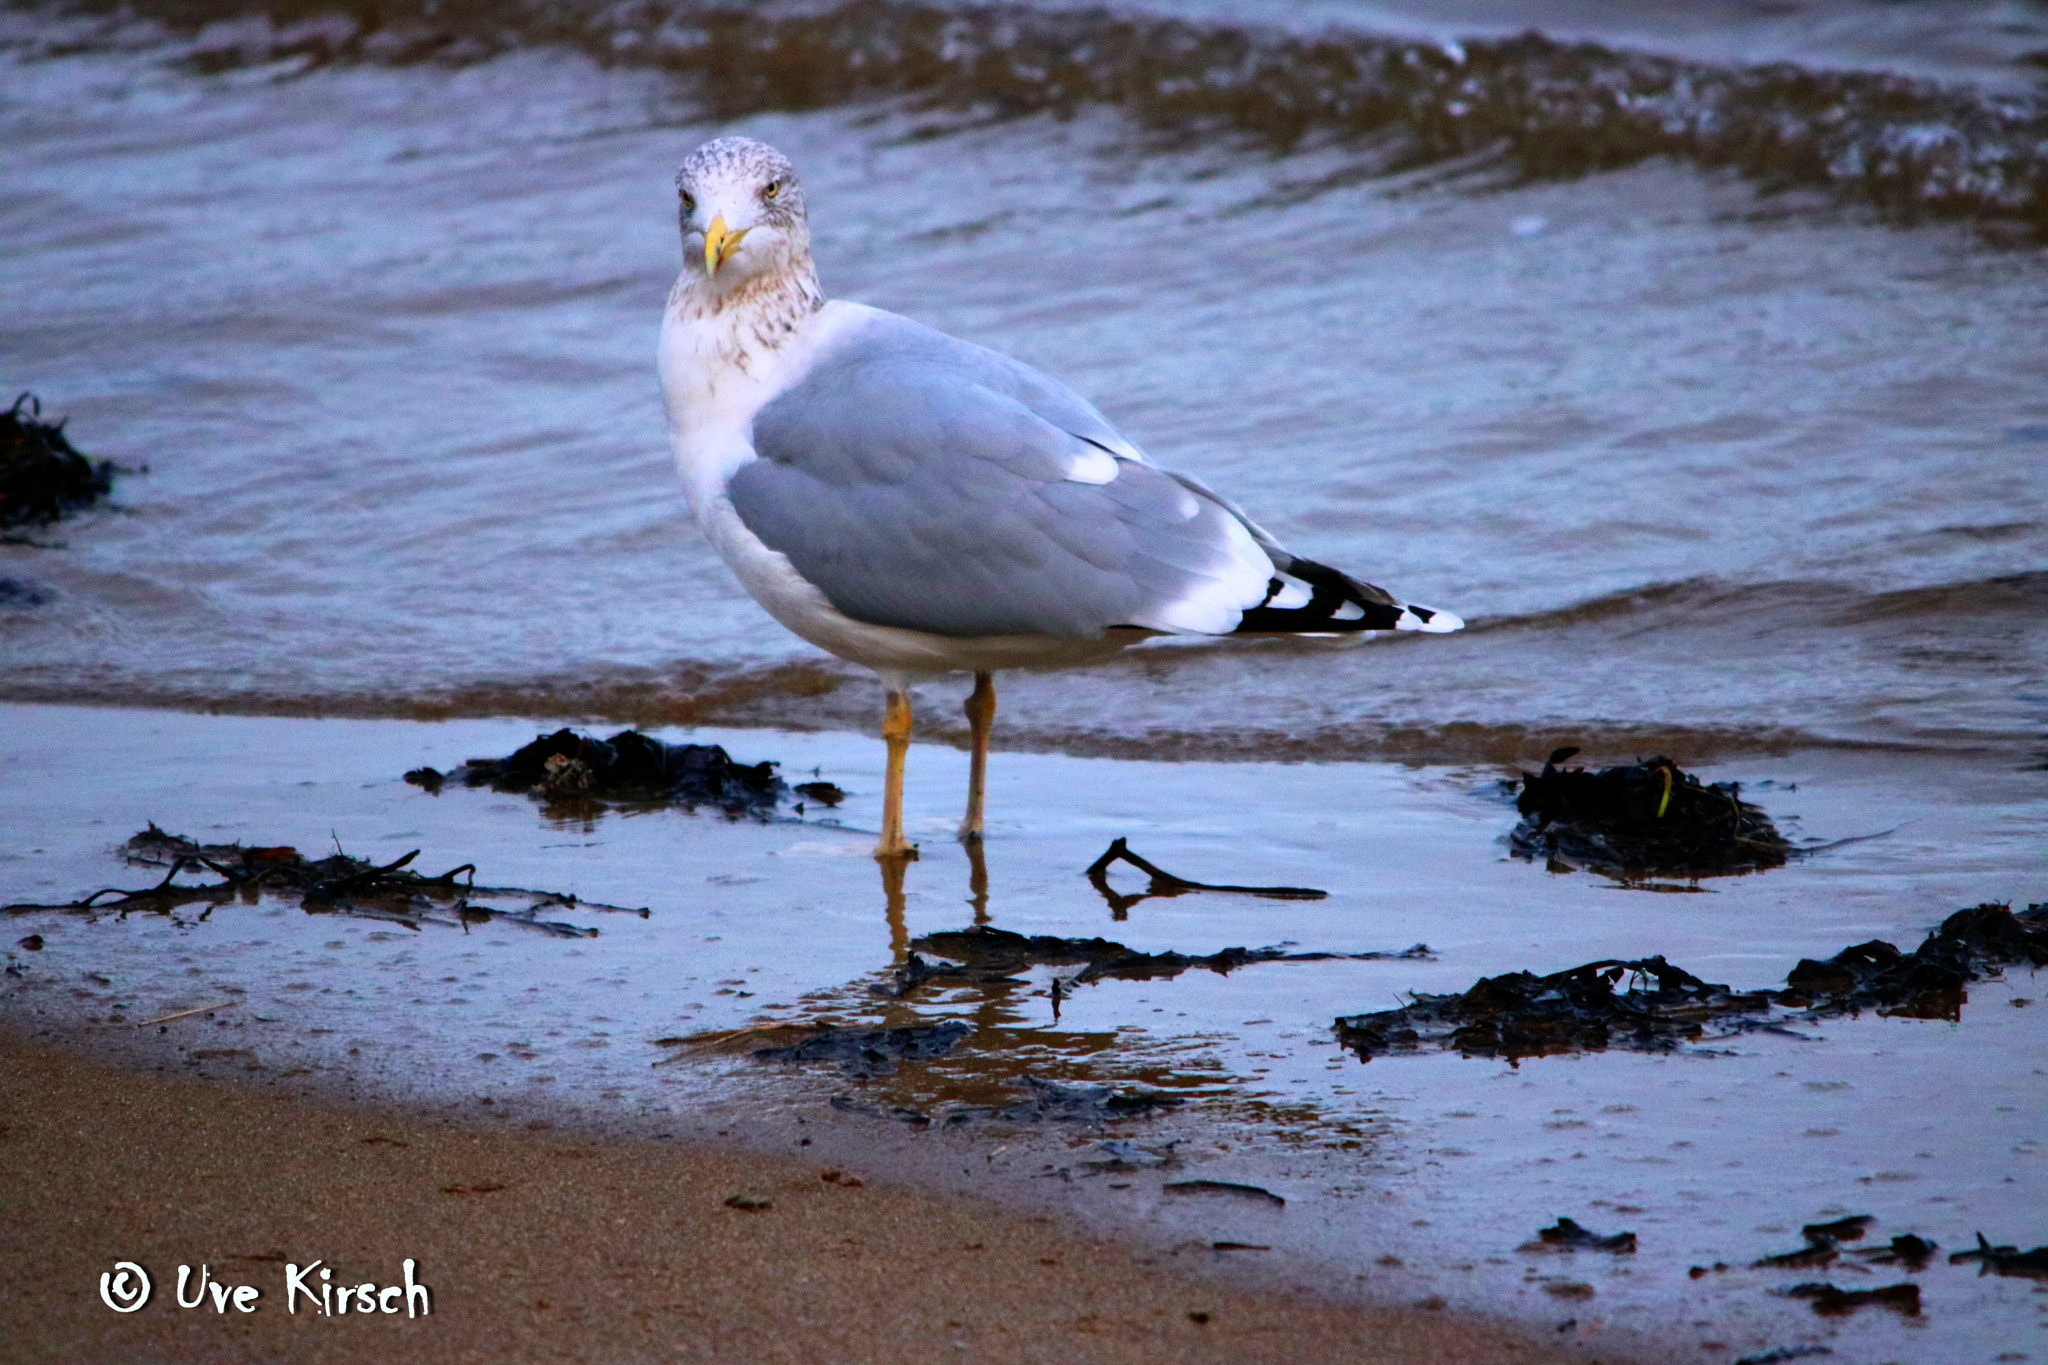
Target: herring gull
[923, 506]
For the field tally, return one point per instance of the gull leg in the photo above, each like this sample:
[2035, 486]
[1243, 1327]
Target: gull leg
[896, 734]
[981, 716]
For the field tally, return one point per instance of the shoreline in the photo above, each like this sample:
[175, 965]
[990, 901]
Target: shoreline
[539, 1244]
[804, 700]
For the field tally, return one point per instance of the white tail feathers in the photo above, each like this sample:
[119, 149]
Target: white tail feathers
[1429, 620]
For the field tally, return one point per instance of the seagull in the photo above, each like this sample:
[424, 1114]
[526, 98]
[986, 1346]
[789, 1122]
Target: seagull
[923, 506]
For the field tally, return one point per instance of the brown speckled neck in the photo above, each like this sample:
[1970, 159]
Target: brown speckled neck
[759, 316]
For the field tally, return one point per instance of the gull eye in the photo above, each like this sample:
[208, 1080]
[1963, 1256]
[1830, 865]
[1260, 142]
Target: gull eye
[687, 200]
[774, 188]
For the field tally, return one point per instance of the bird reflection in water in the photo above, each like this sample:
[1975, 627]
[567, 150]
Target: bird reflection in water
[1016, 1054]
[894, 871]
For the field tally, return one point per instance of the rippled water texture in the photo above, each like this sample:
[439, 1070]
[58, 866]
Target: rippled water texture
[1705, 469]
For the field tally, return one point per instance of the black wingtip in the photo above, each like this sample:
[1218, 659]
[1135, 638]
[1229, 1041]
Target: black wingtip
[1338, 604]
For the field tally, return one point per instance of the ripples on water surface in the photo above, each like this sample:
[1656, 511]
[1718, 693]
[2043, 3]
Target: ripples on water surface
[1702, 466]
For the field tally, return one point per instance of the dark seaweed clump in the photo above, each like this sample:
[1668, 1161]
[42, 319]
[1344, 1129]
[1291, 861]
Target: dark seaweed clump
[1649, 818]
[1567, 1235]
[1928, 982]
[1822, 1249]
[629, 767]
[1519, 1014]
[42, 477]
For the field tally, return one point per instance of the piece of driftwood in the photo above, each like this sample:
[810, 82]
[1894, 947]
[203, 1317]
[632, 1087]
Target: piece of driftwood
[1166, 884]
[187, 1014]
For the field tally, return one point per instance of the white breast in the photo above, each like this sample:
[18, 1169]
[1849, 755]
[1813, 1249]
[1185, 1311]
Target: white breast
[712, 386]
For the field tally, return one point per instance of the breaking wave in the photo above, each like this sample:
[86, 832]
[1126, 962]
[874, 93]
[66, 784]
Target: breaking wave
[1911, 148]
[1761, 607]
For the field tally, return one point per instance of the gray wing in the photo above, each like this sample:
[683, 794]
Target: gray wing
[926, 483]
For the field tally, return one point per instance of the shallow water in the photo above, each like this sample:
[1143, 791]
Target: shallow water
[1705, 470]
[1714, 1153]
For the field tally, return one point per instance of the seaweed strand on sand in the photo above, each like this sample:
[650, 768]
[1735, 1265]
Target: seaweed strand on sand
[991, 956]
[337, 884]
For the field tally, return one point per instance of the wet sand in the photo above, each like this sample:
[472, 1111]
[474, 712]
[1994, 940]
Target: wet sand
[1406, 1178]
[539, 1246]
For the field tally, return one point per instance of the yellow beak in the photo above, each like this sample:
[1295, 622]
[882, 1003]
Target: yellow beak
[719, 244]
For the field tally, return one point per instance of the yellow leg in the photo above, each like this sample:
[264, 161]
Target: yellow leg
[896, 734]
[981, 716]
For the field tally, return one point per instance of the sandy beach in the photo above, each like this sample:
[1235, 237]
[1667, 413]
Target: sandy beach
[539, 1246]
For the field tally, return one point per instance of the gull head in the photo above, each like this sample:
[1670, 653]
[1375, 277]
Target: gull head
[742, 214]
